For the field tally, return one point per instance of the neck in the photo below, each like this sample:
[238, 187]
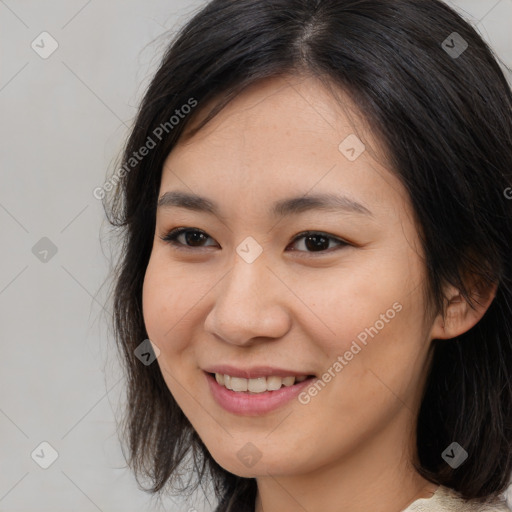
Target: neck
[375, 476]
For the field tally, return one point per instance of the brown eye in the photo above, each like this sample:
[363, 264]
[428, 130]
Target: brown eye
[315, 241]
[190, 237]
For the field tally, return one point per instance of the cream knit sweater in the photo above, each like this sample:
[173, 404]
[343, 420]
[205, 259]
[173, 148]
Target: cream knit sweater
[447, 500]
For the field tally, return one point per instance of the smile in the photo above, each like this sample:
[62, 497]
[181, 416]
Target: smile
[255, 396]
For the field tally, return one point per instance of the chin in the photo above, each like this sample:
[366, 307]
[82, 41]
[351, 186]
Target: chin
[249, 462]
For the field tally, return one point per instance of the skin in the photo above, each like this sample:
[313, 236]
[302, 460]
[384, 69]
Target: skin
[350, 448]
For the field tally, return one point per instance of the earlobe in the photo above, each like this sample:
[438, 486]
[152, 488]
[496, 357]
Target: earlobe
[459, 317]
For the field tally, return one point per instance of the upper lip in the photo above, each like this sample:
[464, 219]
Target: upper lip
[254, 371]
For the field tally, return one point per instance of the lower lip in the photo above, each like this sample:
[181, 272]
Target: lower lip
[257, 403]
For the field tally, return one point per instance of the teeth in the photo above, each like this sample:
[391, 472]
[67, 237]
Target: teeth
[274, 383]
[289, 381]
[238, 384]
[258, 385]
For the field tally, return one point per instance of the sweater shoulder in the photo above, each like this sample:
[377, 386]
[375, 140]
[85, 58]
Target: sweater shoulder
[448, 500]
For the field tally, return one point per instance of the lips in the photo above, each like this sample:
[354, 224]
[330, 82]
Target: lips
[262, 400]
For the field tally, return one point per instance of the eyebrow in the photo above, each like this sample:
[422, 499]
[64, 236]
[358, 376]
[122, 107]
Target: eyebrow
[281, 208]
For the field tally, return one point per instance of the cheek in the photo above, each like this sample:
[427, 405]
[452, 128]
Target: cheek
[164, 305]
[346, 303]
[153, 302]
[164, 302]
[375, 322]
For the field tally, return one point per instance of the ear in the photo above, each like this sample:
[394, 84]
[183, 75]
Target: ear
[459, 317]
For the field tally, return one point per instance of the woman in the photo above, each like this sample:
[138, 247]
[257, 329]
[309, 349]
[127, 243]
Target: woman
[317, 240]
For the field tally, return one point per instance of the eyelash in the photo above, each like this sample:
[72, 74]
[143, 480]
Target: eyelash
[173, 234]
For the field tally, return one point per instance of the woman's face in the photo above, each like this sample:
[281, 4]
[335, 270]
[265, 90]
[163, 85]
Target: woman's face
[242, 294]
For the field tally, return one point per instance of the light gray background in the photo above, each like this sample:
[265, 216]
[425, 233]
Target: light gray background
[63, 120]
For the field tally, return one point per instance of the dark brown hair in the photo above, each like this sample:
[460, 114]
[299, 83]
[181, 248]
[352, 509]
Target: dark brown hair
[445, 121]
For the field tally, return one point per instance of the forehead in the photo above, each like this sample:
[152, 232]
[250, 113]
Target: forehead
[301, 110]
[282, 137]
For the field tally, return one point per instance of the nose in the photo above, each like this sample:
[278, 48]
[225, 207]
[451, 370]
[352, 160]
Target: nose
[249, 304]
